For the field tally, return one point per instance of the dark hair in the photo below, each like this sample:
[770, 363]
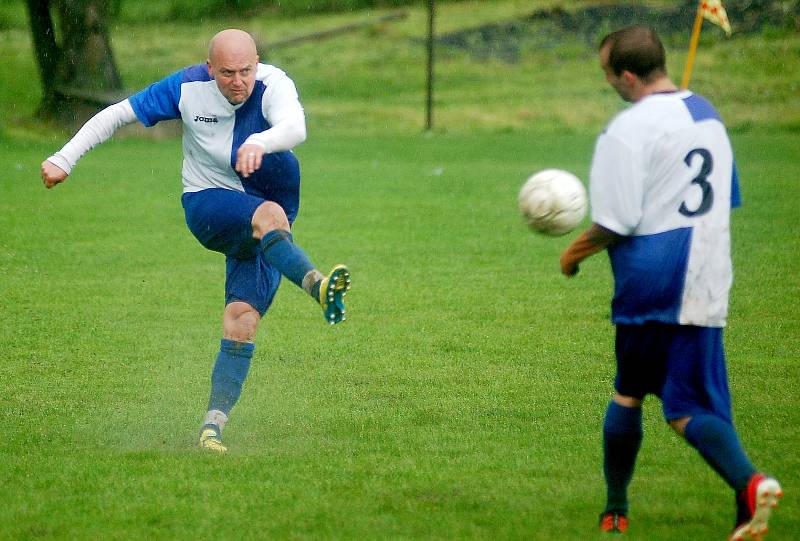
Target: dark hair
[636, 49]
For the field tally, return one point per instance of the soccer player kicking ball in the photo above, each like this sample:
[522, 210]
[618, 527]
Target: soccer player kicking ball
[241, 193]
[662, 184]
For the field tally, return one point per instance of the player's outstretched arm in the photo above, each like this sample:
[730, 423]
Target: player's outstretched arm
[97, 129]
[595, 239]
[52, 174]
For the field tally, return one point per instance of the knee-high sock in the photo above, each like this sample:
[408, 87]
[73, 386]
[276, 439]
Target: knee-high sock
[290, 260]
[227, 378]
[622, 438]
[717, 442]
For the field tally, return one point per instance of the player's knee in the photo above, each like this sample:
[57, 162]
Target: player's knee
[627, 401]
[240, 322]
[269, 216]
[679, 425]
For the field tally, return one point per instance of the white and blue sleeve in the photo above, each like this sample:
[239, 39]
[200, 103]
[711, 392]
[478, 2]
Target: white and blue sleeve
[281, 108]
[615, 185]
[159, 101]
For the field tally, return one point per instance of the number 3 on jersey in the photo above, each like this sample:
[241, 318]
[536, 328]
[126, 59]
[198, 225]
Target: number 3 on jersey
[702, 181]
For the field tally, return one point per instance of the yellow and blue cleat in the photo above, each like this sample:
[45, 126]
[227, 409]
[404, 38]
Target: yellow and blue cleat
[332, 290]
[210, 440]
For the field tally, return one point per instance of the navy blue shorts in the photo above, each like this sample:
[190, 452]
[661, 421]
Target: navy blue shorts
[681, 364]
[222, 221]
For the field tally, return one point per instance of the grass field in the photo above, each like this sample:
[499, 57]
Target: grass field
[462, 399]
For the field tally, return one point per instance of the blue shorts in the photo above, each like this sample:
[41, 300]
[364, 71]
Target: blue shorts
[681, 364]
[222, 221]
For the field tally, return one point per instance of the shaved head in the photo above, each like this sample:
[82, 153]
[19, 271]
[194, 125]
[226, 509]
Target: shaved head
[231, 41]
[233, 63]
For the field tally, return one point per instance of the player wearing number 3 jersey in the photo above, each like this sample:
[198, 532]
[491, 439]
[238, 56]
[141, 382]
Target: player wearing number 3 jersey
[662, 185]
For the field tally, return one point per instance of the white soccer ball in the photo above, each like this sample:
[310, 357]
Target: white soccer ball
[553, 202]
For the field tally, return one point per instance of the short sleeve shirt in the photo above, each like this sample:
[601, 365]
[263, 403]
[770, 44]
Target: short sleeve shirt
[663, 176]
[213, 128]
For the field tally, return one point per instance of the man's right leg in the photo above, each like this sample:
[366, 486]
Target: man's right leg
[221, 220]
[622, 438]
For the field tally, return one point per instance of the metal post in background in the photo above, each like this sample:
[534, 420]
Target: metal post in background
[429, 103]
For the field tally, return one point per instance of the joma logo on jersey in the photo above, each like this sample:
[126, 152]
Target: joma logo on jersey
[205, 119]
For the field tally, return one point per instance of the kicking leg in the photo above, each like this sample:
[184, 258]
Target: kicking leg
[271, 227]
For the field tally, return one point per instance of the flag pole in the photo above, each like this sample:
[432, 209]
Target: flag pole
[698, 25]
[429, 96]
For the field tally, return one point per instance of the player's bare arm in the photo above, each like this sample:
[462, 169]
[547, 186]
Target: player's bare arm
[595, 239]
[52, 174]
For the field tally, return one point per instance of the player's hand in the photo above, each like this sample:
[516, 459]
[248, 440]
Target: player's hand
[52, 174]
[248, 159]
[569, 267]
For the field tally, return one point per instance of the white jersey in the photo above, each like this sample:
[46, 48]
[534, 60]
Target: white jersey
[213, 128]
[663, 175]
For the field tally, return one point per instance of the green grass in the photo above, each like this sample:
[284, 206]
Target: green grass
[464, 396]
[462, 399]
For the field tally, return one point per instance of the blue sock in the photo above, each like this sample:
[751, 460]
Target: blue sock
[622, 438]
[716, 441]
[230, 371]
[280, 252]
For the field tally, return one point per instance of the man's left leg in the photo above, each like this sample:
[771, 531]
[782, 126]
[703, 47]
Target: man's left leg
[271, 228]
[232, 364]
[697, 381]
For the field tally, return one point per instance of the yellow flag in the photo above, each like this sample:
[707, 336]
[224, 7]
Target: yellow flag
[714, 12]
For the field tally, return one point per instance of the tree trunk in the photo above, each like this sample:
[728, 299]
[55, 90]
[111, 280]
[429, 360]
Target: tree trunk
[46, 50]
[79, 75]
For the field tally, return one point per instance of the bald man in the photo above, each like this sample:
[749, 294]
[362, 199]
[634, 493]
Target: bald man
[241, 181]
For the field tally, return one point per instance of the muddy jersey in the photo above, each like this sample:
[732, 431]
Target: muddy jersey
[663, 175]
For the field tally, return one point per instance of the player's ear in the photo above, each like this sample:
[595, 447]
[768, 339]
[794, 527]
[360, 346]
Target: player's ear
[208, 65]
[630, 77]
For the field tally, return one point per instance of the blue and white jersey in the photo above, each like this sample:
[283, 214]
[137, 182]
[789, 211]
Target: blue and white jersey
[213, 128]
[664, 176]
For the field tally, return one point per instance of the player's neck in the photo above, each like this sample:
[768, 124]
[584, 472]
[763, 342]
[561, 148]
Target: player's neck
[661, 85]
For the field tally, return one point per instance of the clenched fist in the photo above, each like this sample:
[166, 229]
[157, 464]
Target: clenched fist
[52, 174]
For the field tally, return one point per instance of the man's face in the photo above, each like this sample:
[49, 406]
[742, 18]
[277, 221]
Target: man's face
[235, 74]
[620, 82]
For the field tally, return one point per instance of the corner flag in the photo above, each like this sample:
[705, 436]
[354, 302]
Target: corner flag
[714, 12]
